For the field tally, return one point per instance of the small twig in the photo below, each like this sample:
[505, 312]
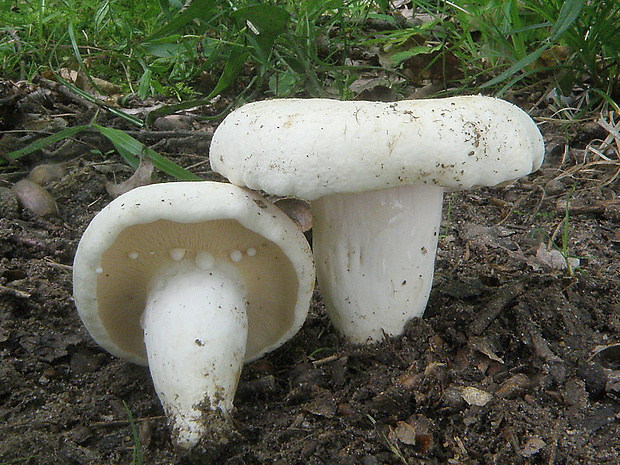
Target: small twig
[68, 268]
[611, 129]
[58, 87]
[30, 425]
[326, 360]
[554, 444]
[495, 307]
[145, 134]
[114, 423]
[14, 292]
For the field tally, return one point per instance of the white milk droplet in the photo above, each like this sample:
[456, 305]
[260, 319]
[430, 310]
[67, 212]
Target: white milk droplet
[99, 270]
[204, 260]
[251, 252]
[177, 254]
[236, 256]
[133, 255]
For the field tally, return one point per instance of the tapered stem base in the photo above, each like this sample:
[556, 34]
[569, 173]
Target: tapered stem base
[195, 332]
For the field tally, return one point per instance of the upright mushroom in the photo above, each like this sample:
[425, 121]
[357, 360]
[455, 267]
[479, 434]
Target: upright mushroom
[375, 173]
[193, 279]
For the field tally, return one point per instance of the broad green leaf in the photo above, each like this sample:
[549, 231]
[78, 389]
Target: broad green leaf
[282, 84]
[265, 23]
[167, 50]
[265, 19]
[566, 82]
[165, 7]
[233, 67]
[399, 57]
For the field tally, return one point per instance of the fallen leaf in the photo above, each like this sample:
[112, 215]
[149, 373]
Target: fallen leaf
[298, 210]
[141, 177]
[484, 347]
[554, 259]
[475, 396]
[532, 446]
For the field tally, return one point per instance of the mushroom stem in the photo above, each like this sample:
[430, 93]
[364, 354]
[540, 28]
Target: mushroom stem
[375, 254]
[195, 332]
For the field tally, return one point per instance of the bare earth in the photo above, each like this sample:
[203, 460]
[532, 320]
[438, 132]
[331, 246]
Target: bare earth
[516, 361]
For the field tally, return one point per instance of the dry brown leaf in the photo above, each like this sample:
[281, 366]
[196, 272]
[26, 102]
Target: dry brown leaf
[141, 177]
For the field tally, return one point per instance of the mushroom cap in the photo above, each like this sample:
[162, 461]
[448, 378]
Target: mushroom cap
[150, 227]
[315, 147]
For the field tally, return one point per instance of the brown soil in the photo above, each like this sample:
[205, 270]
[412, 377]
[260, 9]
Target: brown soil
[515, 361]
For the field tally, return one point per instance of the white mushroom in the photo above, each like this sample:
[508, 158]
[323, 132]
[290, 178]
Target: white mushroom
[376, 173]
[193, 279]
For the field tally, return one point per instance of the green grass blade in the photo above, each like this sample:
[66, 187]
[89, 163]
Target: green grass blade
[45, 142]
[196, 9]
[517, 66]
[570, 11]
[131, 150]
[137, 450]
[78, 56]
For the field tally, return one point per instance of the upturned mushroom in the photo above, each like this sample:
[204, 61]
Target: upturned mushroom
[193, 279]
[376, 174]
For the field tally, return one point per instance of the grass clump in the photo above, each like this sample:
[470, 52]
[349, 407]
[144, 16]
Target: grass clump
[170, 47]
[35, 35]
[286, 47]
[569, 50]
[572, 45]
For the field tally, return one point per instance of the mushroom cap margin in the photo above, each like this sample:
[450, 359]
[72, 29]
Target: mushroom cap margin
[187, 203]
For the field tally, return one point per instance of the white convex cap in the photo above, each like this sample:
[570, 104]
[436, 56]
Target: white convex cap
[315, 147]
[137, 233]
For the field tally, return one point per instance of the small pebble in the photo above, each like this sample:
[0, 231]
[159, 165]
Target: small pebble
[370, 460]
[513, 387]
[174, 123]
[475, 396]
[83, 363]
[35, 198]
[532, 447]
[46, 173]
[594, 376]
[555, 187]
